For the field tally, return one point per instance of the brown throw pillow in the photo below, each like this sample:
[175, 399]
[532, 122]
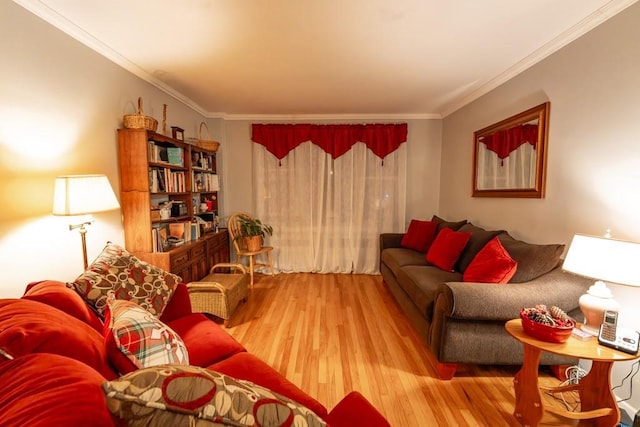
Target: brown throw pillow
[479, 238]
[443, 223]
[533, 260]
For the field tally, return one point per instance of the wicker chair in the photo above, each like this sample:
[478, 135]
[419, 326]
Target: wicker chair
[241, 249]
[219, 294]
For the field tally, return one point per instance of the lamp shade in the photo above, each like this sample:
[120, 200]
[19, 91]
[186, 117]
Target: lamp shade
[83, 194]
[605, 259]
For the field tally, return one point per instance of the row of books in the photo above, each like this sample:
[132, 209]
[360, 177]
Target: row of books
[160, 154]
[165, 180]
[204, 181]
[166, 236]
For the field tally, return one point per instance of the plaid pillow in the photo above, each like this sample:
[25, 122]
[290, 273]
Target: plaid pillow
[143, 339]
[115, 271]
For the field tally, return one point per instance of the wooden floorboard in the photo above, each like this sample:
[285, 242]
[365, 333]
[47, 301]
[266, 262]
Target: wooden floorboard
[333, 333]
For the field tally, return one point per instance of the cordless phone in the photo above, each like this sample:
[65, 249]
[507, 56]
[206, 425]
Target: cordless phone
[621, 339]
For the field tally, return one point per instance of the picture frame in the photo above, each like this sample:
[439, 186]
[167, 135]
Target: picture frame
[177, 133]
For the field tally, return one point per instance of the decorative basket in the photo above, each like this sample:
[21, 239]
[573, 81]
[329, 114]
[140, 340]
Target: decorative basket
[547, 333]
[140, 121]
[208, 143]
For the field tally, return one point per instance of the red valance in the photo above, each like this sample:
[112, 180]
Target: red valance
[505, 141]
[336, 140]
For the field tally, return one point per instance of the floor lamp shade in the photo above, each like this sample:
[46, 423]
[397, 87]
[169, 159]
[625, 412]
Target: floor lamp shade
[83, 195]
[603, 259]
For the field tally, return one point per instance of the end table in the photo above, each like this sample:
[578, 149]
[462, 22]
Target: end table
[597, 401]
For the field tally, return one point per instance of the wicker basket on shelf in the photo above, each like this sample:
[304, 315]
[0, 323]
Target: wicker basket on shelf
[139, 120]
[207, 143]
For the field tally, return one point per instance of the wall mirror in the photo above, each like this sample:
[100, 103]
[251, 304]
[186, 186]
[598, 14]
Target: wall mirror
[509, 157]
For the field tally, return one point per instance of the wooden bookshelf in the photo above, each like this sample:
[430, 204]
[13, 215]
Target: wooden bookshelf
[155, 169]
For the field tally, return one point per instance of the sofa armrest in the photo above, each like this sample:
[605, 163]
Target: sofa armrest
[390, 240]
[491, 302]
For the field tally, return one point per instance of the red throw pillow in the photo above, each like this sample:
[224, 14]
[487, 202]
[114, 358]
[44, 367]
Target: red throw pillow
[492, 264]
[446, 248]
[419, 235]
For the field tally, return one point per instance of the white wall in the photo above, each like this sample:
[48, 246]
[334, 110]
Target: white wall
[60, 106]
[593, 172]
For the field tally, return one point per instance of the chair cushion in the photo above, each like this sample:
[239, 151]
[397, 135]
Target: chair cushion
[115, 271]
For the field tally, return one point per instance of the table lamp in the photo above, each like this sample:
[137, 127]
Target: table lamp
[83, 195]
[603, 259]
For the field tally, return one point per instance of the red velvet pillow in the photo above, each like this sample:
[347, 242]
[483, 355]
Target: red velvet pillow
[419, 235]
[492, 264]
[446, 248]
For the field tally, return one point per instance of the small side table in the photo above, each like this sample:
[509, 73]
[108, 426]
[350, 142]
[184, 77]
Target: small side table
[597, 401]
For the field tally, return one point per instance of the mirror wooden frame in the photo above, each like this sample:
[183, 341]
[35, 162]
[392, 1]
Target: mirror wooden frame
[539, 113]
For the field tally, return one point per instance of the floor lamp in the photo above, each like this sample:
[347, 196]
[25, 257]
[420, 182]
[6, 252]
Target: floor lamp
[83, 195]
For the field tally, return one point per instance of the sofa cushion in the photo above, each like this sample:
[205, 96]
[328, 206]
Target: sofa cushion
[492, 264]
[58, 295]
[419, 235]
[443, 223]
[33, 327]
[178, 306]
[44, 390]
[533, 260]
[136, 338]
[205, 340]
[190, 395]
[479, 238]
[446, 248]
[421, 284]
[396, 258]
[115, 271]
[246, 366]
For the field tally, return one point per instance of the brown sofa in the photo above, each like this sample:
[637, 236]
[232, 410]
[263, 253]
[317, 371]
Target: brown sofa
[463, 322]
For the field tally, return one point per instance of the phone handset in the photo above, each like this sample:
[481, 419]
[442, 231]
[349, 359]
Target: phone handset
[612, 336]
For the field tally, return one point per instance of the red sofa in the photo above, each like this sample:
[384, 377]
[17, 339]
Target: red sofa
[60, 362]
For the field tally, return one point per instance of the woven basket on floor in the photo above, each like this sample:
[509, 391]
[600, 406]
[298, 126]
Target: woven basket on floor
[218, 293]
[208, 143]
[140, 121]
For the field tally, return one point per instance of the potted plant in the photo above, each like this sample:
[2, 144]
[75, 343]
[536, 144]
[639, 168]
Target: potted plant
[252, 230]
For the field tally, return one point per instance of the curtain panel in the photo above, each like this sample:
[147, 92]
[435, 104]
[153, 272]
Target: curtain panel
[336, 140]
[327, 197]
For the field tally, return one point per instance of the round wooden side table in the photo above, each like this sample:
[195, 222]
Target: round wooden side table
[597, 401]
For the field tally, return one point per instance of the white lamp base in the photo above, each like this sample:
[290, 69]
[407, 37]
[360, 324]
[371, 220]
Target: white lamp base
[593, 304]
[590, 330]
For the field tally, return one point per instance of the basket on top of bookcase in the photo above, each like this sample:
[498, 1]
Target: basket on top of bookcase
[139, 120]
[208, 143]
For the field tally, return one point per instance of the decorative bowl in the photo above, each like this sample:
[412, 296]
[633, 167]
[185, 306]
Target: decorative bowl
[547, 333]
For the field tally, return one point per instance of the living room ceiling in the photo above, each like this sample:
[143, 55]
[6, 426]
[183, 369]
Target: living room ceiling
[293, 58]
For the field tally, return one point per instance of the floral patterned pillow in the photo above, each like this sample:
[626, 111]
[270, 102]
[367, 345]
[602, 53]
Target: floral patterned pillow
[117, 272]
[173, 395]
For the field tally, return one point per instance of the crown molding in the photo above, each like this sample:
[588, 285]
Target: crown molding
[596, 18]
[308, 117]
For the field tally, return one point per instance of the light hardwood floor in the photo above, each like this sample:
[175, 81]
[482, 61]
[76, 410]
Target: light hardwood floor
[333, 333]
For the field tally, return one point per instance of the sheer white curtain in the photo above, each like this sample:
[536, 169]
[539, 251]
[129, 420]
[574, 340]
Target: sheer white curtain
[518, 170]
[327, 214]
